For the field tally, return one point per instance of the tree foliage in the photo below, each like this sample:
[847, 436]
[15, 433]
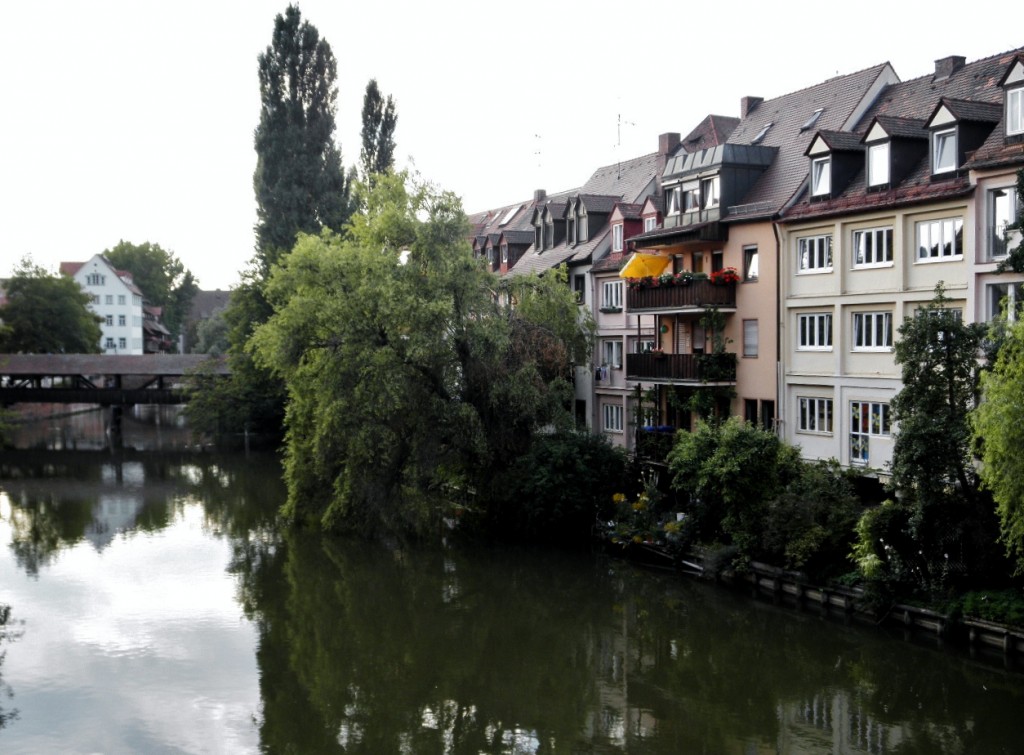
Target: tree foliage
[934, 472]
[998, 424]
[300, 183]
[160, 275]
[379, 119]
[47, 314]
[407, 382]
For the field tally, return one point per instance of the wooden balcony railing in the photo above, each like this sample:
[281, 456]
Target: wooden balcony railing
[682, 368]
[697, 295]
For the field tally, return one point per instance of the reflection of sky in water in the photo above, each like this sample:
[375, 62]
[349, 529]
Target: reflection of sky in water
[135, 648]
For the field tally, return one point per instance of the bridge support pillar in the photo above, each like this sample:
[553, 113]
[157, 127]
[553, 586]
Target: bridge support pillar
[114, 429]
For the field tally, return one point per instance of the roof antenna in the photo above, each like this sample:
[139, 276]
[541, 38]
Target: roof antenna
[537, 150]
[618, 143]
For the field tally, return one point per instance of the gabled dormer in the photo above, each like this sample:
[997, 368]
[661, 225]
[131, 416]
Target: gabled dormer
[625, 222]
[491, 251]
[835, 158]
[651, 213]
[537, 221]
[1013, 101]
[512, 244]
[955, 128]
[893, 147]
[550, 221]
[569, 215]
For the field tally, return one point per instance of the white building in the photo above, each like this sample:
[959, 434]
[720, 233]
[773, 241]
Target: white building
[116, 299]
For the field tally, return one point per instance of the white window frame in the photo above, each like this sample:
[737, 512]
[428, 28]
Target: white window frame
[814, 331]
[1015, 111]
[751, 264]
[612, 416]
[821, 176]
[872, 247]
[611, 353]
[751, 339]
[872, 331]
[878, 164]
[814, 415]
[1002, 212]
[108, 299]
[814, 254]
[617, 237]
[944, 146]
[875, 421]
[947, 233]
[121, 300]
[710, 195]
[650, 223]
[109, 344]
[673, 200]
[122, 321]
[122, 343]
[1012, 293]
[690, 196]
[95, 279]
[582, 226]
[504, 253]
[611, 295]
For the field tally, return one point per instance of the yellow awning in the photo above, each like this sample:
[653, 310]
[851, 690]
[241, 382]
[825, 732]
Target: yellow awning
[641, 265]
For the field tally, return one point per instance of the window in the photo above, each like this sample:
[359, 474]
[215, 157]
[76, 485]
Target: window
[612, 417]
[549, 235]
[1002, 213]
[95, 279]
[872, 331]
[612, 295]
[641, 345]
[815, 415]
[579, 285]
[650, 224]
[504, 253]
[1005, 298]
[1015, 111]
[821, 176]
[812, 120]
[120, 299]
[944, 151]
[108, 299]
[110, 319]
[122, 343]
[611, 352]
[490, 257]
[718, 260]
[814, 331]
[583, 231]
[121, 320]
[867, 418]
[762, 133]
[109, 344]
[750, 263]
[940, 239]
[571, 228]
[673, 200]
[95, 299]
[709, 192]
[814, 254]
[872, 247]
[617, 237]
[878, 164]
[538, 237]
[750, 338]
[691, 196]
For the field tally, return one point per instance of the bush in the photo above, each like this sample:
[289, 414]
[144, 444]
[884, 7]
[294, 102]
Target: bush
[559, 489]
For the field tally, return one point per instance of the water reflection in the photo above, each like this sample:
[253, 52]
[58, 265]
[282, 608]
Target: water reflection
[357, 648]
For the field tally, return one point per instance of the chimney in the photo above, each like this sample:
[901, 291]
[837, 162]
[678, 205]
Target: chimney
[539, 195]
[946, 67]
[747, 105]
[667, 144]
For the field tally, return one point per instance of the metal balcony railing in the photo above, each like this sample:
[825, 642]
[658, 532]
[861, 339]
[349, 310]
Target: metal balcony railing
[682, 368]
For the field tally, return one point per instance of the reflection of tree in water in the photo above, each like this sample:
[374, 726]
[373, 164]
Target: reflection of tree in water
[6, 714]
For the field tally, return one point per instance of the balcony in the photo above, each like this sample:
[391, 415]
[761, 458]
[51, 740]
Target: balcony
[699, 294]
[682, 368]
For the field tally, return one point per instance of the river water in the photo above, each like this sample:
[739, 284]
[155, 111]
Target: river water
[157, 606]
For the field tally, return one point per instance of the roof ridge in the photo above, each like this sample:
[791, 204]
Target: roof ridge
[986, 59]
[878, 66]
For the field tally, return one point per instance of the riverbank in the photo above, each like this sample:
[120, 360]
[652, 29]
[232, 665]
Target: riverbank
[991, 640]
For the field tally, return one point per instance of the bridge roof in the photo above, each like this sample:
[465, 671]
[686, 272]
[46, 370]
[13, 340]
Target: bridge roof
[108, 364]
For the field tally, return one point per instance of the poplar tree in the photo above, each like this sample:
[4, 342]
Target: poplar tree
[379, 120]
[300, 183]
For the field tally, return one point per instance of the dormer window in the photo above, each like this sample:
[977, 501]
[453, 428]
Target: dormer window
[878, 165]
[691, 196]
[821, 176]
[944, 151]
[583, 231]
[650, 223]
[1015, 111]
[571, 230]
[549, 234]
[617, 237]
[673, 197]
[538, 235]
[504, 252]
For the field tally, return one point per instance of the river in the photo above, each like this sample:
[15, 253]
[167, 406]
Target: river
[157, 606]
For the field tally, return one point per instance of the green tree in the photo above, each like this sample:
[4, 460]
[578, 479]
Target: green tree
[47, 314]
[933, 467]
[300, 183]
[407, 382]
[160, 275]
[998, 424]
[379, 120]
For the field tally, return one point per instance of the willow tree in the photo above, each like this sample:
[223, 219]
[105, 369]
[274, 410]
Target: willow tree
[407, 380]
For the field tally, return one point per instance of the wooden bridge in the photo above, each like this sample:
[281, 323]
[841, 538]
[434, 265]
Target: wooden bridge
[105, 379]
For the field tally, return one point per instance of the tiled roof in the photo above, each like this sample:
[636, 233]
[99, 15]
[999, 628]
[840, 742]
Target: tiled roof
[710, 132]
[598, 203]
[839, 99]
[841, 141]
[609, 263]
[70, 268]
[513, 236]
[971, 93]
[630, 210]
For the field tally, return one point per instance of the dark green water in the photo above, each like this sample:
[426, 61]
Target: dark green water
[157, 608]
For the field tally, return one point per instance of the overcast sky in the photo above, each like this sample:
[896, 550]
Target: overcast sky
[129, 119]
